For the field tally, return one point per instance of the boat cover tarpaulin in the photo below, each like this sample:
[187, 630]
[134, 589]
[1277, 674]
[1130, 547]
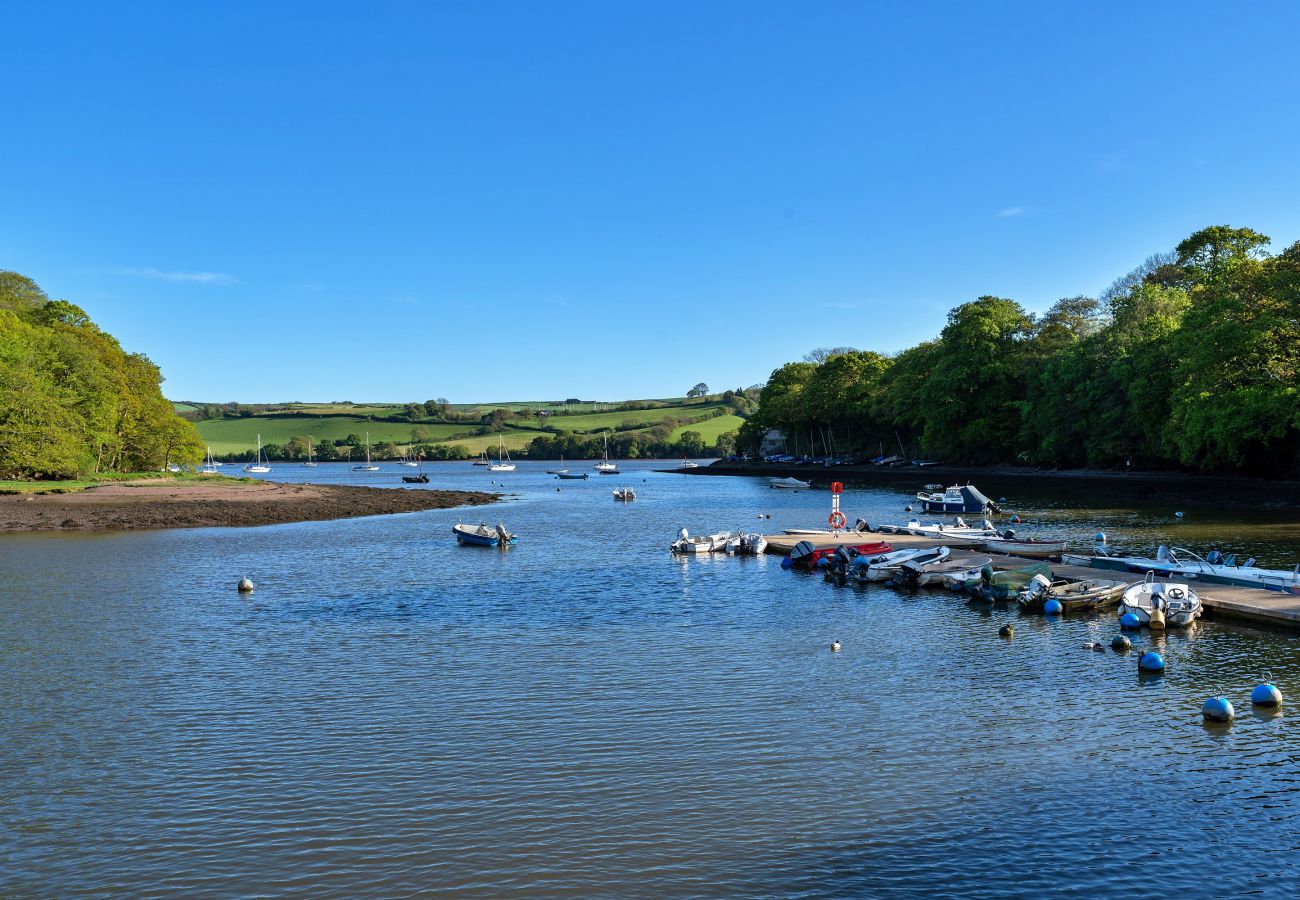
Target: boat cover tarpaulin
[975, 500]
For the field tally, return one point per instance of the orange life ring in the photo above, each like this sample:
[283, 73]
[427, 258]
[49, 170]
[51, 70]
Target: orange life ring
[837, 520]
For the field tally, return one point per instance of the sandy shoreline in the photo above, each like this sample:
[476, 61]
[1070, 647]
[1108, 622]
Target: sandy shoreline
[171, 504]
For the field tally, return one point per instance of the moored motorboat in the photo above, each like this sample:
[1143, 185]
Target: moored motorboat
[1004, 584]
[751, 544]
[1160, 603]
[958, 571]
[1033, 548]
[807, 555]
[572, 476]
[422, 478]
[958, 532]
[624, 493]
[960, 498]
[792, 484]
[687, 464]
[896, 563]
[1091, 593]
[483, 535]
[708, 543]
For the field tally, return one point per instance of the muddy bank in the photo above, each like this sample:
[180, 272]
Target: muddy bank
[190, 505]
[1164, 487]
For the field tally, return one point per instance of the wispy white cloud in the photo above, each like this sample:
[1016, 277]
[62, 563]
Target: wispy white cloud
[1011, 211]
[176, 277]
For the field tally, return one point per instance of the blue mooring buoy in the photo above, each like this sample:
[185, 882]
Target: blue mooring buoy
[1218, 709]
[1052, 607]
[1014, 520]
[1151, 661]
[1130, 620]
[1266, 695]
[1099, 537]
[907, 508]
[1178, 515]
[1121, 644]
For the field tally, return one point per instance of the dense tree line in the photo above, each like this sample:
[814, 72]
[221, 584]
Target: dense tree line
[72, 401]
[1190, 361]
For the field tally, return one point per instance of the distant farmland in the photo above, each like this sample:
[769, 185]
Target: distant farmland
[333, 422]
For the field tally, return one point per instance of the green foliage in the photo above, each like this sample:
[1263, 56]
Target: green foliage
[72, 402]
[1192, 359]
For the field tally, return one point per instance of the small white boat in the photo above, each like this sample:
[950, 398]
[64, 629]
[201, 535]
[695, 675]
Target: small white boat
[503, 463]
[958, 532]
[751, 544]
[558, 471]
[792, 484]
[258, 464]
[960, 498]
[952, 572]
[1032, 548]
[709, 543]
[369, 466]
[482, 535]
[311, 461]
[482, 460]
[887, 565]
[913, 569]
[1093, 593]
[687, 464]
[1160, 603]
[624, 493]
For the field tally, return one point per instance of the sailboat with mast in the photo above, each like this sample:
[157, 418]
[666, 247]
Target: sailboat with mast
[605, 467]
[559, 471]
[503, 463]
[369, 466]
[258, 464]
[311, 462]
[209, 465]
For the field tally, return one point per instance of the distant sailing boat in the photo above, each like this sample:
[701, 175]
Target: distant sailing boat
[503, 463]
[406, 459]
[369, 466]
[557, 471]
[483, 459]
[310, 463]
[258, 464]
[607, 467]
[209, 465]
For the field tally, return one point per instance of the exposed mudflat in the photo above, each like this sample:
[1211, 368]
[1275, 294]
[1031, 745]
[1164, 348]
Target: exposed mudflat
[168, 504]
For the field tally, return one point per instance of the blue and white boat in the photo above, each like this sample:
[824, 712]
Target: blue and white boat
[482, 535]
[957, 499]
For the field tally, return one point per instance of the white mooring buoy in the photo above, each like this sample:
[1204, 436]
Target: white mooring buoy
[245, 585]
[835, 646]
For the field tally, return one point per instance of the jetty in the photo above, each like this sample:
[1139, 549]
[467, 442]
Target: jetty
[1221, 601]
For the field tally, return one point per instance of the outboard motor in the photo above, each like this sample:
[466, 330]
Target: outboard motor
[1008, 533]
[1162, 553]
[1038, 588]
[1214, 557]
[861, 525]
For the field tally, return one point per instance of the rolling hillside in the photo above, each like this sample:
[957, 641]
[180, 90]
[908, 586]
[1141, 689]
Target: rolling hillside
[521, 423]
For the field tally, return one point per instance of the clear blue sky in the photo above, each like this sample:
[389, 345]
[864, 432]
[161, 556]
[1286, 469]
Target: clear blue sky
[609, 200]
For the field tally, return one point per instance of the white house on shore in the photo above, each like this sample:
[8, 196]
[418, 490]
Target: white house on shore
[773, 442]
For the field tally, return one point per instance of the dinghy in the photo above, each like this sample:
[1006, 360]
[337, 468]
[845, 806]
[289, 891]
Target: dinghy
[482, 535]
[885, 566]
[1092, 593]
[624, 493]
[1159, 603]
[957, 572]
[791, 484]
[709, 543]
[1034, 548]
[1005, 584]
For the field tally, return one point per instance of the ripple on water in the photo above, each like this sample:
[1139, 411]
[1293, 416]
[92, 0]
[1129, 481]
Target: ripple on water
[584, 714]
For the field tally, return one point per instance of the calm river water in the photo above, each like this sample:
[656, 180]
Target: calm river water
[584, 715]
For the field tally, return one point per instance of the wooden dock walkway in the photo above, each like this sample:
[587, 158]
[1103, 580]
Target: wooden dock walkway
[1245, 604]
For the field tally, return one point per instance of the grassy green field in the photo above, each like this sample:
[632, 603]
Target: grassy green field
[711, 428]
[335, 421]
[237, 435]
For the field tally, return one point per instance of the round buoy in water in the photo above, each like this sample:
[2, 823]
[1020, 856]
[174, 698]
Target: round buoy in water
[1218, 709]
[1052, 607]
[1266, 695]
[1007, 630]
[1002, 499]
[1014, 520]
[1130, 620]
[907, 508]
[1151, 661]
[835, 646]
[245, 585]
[1121, 644]
[1178, 515]
[1099, 537]
[786, 562]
